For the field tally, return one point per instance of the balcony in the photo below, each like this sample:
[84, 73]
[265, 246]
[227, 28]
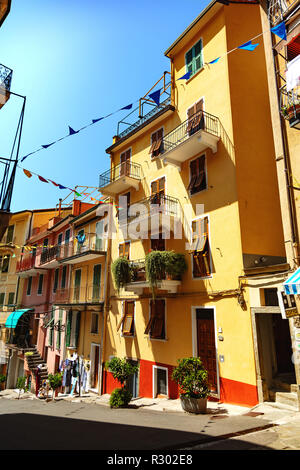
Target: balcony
[90, 247]
[5, 82]
[82, 296]
[290, 105]
[27, 266]
[279, 9]
[139, 281]
[164, 212]
[49, 257]
[120, 178]
[199, 132]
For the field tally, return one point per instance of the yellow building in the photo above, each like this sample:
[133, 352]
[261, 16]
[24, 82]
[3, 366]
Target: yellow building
[83, 302]
[205, 155]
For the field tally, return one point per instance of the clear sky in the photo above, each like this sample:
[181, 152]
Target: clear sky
[76, 61]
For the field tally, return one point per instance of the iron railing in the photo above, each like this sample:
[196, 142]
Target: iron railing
[49, 254]
[26, 263]
[5, 77]
[143, 119]
[90, 242]
[154, 204]
[278, 9]
[289, 102]
[186, 129]
[127, 168]
[92, 293]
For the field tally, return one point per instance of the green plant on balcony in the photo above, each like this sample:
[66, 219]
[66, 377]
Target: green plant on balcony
[121, 272]
[289, 109]
[162, 264]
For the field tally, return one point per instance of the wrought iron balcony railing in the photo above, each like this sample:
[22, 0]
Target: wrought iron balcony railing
[201, 120]
[49, 254]
[278, 9]
[290, 102]
[92, 293]
[26, 263]
[89, 242]
[157, 203]
[143, 119]
[128, 168]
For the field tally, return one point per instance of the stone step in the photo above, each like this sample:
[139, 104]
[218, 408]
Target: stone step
[287, 398]
[279, 385]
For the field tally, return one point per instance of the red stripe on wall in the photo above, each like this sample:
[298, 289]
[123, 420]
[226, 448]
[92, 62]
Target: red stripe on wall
[238, 393]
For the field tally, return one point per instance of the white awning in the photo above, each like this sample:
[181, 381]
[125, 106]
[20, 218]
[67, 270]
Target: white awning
[292, 284]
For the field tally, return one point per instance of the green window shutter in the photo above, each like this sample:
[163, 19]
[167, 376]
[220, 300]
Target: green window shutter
[10, 234]
[58, 334]
[2, 297]
[51, 329]
[11, 297]
[193, 58]
[63, 277]
[77, 329]
[29, 283]
[189, 61]
[69, 328]
[56, 274]
[97, 282]
[40, 286]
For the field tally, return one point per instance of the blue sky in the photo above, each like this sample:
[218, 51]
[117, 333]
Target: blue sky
[76, 61]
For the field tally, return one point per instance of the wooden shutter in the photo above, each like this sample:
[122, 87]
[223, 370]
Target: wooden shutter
[124, 250]
[77, 329]
[201, 255]
[156, 146]
[157, 329]
[193, 172]
[125, 163]
[69, 327]
[128, 323]
[189, 61]
[158, 190]
[198, 178]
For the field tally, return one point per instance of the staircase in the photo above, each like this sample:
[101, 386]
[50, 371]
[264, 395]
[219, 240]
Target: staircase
[284, 391]
[34, 360]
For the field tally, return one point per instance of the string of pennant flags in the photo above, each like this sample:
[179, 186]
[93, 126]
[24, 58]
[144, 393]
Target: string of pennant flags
[279, 30]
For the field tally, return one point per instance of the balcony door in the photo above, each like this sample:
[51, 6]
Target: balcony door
[77, 281]
[97, 283]
[99, 236]
[125, 163]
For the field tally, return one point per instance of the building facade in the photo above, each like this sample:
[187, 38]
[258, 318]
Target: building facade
[206, 157]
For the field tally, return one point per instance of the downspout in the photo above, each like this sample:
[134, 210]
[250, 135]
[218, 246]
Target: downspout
[106, 288]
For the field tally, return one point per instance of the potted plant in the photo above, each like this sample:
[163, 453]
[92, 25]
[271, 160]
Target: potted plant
[22, 385]
[2, 381]
[121, 370]
[121, 272]
[191, 377]
[175, 264]
[155, 268]
[55, 381]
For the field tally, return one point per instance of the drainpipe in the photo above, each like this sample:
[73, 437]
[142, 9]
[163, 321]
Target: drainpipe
[106, 288]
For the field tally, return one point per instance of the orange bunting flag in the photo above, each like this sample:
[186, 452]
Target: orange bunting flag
[27, 173]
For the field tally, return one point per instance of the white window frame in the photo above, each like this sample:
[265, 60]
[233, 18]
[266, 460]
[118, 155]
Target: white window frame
[154, 379]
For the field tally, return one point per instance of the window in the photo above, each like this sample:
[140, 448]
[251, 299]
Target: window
[58, 334]
[194, 59]
[40, 285]
[197, 175]
[127, 320]
[11, 297]
[94, 323]
[51, 329]
[72, 330]
[201, 250]
[156, 143]
[55, 284]
[63, 277]
[100, 246]
[158, 191]
[29, 284]
[160, 381]
[195, 117]
[5, 263]
[60, 238]
[77, 282]
[124, 250]
[124, 205]
[271, 297]
[293, 48]
[45, 244]
[2, 297]
[125, 163]
[156, 325]
[10, 234]
[96, 283]
[158, 244]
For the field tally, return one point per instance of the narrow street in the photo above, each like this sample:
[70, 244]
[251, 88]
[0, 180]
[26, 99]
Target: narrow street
[84, 426]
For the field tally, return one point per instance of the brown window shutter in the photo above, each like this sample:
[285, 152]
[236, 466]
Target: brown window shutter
[128, 319]
[121, 321]
[152, 147]
[158, 325]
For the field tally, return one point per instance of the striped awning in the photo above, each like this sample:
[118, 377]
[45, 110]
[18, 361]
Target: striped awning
[292, 284]
[3, 317]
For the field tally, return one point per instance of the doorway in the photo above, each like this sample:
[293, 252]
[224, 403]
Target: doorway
[133, 381]
[206, 345]
[275, 365]
[95, 358]
[160, 382]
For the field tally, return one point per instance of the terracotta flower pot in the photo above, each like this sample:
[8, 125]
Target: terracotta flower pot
[193, 405]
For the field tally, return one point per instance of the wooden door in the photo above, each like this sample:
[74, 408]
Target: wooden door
[125, 163]
[283, 345]
[96, 366]
[206, 344]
